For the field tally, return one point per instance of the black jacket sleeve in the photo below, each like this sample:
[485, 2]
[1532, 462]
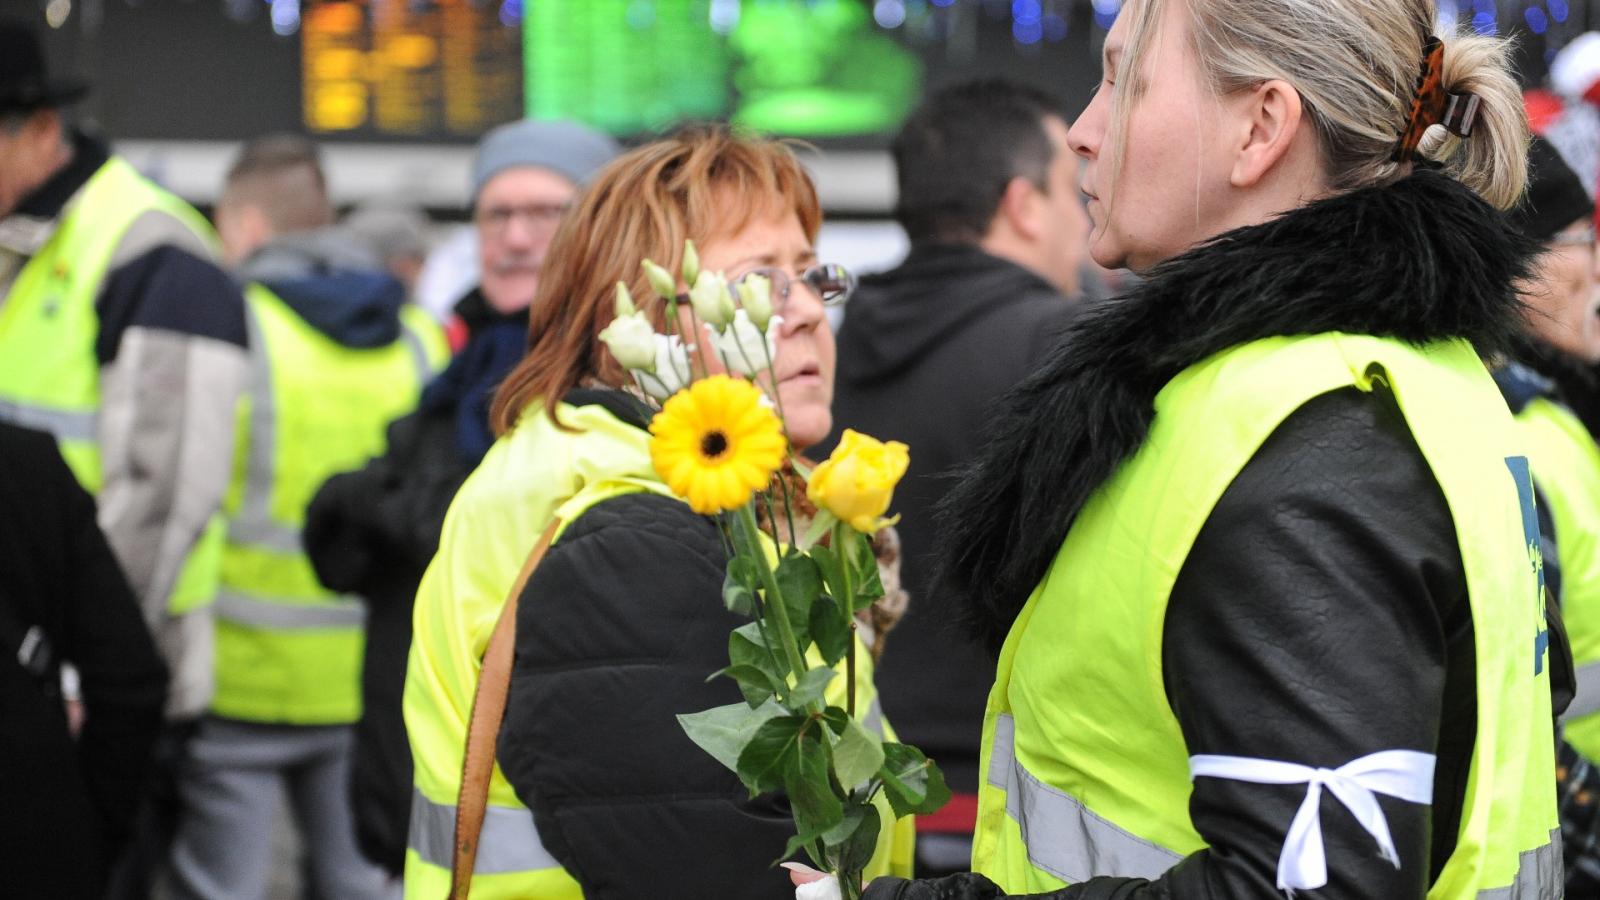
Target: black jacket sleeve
[1321, 616]
[361, 526]
[122, 677]
[65, 579]
[617, 632]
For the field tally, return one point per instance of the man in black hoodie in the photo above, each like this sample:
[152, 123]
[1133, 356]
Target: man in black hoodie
[988, 196]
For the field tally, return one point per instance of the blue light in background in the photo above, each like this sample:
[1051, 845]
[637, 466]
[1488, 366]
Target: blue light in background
[511, 12]
[1558, 9]
[285, 16]
[724, 16]
[1538, 22]
[1484, 20]
[889, 13]
[942, 2]
[1055, 27]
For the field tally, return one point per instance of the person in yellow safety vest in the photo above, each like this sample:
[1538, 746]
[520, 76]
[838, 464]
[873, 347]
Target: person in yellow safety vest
[1258, 546]
[1561, 328]
[335, 355]
[598, 790]
[121, 336]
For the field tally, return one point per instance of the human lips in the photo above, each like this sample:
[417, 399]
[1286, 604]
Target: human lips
[799, 374]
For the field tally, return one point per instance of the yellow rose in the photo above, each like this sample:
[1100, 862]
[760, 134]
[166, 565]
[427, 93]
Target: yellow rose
[857, 482]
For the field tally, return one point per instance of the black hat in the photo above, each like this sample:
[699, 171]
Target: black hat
[1555, 198]
[24, 84]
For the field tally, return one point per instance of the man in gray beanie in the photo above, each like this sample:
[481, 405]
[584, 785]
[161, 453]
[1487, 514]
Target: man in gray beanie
[372, 532]
[525, 176]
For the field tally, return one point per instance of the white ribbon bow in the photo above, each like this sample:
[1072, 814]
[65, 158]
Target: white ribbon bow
[1303, 864]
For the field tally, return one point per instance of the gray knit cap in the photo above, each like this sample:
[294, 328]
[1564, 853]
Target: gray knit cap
[566, 148]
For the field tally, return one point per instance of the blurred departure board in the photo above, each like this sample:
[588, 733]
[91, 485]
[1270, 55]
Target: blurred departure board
[398, 68]
[811, 68]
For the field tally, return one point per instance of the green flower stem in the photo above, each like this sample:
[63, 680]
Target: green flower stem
[775, 604]
[777, 400]
[698, 356]
[841, 534]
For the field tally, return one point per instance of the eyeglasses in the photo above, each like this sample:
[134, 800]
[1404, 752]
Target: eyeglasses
[832, 283]
[496, 219]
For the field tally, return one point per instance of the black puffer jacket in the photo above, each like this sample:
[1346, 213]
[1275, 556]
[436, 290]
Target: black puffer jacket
[1321, 614]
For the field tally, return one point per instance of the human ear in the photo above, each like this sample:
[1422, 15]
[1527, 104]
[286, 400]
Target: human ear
[1272, 113]
[1019, 207]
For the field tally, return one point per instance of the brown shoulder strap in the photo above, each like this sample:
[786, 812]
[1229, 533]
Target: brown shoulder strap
[483, 730]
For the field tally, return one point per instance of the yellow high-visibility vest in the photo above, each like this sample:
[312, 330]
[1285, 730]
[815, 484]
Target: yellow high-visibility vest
[49, 375]
[288, 650]
[1087, 772]
[529, 477]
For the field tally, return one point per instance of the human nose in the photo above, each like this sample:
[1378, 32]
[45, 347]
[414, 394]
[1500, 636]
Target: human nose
[801, 307]
[1088, 131]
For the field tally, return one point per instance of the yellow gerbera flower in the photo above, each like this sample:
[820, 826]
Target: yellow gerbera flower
[714, 443]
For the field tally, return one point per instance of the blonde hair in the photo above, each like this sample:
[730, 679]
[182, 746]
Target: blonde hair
[1355, 64]
[703, 182]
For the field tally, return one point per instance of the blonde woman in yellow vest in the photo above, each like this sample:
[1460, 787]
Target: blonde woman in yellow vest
[1257, 547]
[598, 793]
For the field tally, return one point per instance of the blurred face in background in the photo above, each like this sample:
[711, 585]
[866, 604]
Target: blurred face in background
[516, 216]
[31, 150]
[803, 368]
[1064, 225]
[1564, 296]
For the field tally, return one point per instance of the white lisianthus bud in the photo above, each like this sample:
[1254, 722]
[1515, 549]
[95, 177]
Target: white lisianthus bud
[712, 301]
[660, 280]
[691, 263]
[631, 340]
[671, 373]
[625, 305]
[740, 344]
[755, 295]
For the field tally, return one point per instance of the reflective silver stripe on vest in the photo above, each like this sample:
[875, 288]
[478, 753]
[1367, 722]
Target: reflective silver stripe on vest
[1064, 837]
[1540, 875]
[242, 609]
[509, 842]
[873, 720]
[253, 525]
[419, 354]
[64, 424]
[1587, 702]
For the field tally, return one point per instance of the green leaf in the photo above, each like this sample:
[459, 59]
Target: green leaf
[806, 841]
[810, 687]
[863, 570]
[830, 630]
[724, 731]
[913, 784]
[836, 718]
[800, 583]
[853, 841]
[870, 590]
[755, 684]
[772, 753]
[832, 571]
[857, 756]
[816, 807]
[747, 647]
[738, 587]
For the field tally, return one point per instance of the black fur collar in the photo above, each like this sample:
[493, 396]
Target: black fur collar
[1419, 260]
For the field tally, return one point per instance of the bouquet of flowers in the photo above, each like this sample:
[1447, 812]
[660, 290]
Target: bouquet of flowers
[717, 442]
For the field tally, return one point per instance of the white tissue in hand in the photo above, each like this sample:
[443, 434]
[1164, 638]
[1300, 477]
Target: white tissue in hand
[826, 889]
